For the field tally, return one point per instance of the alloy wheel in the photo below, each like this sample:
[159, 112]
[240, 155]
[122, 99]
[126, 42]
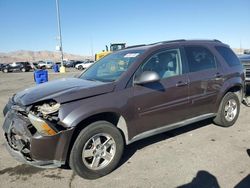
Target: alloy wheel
[230, 110]
[98, 151]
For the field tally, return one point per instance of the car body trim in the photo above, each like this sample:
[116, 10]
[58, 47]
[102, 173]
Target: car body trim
[170, 127]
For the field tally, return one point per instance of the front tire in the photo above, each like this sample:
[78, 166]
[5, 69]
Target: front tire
[97, 150]
[80, 67]
[5, 70]
[228, 111]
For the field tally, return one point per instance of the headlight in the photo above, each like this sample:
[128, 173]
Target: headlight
[49, 108]
[41, 126]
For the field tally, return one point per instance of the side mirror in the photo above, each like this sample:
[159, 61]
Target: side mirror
[147, 77]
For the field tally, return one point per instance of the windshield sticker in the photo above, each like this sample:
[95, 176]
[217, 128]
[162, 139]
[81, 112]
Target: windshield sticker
[131, 55]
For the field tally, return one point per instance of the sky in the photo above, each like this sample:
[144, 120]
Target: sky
[88, 25]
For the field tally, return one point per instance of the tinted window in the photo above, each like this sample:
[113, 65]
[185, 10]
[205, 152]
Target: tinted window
[228, 55]
[166, 64]
[199, 58]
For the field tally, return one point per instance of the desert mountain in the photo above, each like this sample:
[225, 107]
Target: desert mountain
[33, 56]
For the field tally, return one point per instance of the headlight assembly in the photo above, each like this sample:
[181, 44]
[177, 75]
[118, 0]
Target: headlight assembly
[41, 126]
[43, 116]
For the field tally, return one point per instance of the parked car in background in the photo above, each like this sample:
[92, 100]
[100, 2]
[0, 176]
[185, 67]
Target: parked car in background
[58, 63]
[84, 65]
[77, 62]
[17, 66]
[126, 96]
[1, 66]
[68, 64]
[46, 64]
[245, 60]
[72, 63]
[247, 51]
[34, 65]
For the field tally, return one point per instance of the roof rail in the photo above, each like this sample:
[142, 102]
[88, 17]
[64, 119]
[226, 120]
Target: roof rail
[168, 41]
[171, 41]
[134, 46]
[216, 40]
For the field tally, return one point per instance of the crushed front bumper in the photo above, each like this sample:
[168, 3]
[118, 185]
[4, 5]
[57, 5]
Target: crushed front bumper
[17, 155]
[26, 145]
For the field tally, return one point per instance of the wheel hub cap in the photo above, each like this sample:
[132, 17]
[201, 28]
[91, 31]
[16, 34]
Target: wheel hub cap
[98, 151]
[231, 110]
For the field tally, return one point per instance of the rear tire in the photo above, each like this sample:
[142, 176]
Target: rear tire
[5, 70]
[228, 111]
[97, 150]
[80, 67]
[23, 69]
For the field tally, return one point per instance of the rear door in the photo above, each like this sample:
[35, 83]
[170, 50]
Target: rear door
[205, 80]
[161, 103]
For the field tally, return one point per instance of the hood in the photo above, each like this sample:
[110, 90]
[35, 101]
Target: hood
[63, 90]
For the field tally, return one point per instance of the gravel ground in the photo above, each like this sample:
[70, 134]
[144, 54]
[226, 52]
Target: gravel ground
[198, 155]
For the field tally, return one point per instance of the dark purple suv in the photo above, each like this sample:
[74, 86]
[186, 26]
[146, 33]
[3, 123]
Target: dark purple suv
[128, 95]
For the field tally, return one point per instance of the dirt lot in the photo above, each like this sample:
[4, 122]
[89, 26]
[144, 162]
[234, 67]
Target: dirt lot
[199, 155]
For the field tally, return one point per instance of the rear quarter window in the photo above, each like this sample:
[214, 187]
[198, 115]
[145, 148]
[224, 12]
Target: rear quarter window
[228, 55]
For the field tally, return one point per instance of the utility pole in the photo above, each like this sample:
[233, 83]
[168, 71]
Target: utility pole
[62, 68]
[91, 46]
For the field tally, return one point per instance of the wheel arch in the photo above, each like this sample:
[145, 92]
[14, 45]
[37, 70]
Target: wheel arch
[112, 117]
[238, 89]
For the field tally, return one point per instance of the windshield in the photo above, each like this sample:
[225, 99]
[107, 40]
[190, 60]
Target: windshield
[111, 67]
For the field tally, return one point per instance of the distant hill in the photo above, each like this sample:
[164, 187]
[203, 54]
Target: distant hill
[33, 56]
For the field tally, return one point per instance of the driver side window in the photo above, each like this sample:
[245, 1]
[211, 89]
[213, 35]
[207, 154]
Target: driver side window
[166, 64]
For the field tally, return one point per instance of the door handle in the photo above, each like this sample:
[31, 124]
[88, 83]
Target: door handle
[218, 76]
[181, 84]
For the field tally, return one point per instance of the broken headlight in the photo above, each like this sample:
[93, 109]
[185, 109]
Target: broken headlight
[41, 126]
[44, 117]
[48, 108]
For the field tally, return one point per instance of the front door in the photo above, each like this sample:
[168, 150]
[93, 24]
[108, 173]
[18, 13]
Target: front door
[161, 103]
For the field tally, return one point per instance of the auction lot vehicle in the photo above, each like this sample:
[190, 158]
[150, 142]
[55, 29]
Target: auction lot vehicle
[46, 64]
[17, 66]
[1, 66]
[84, 65]
[245, 60]
[34, 65]
[247, 51]
[126, 96]
[72, 63]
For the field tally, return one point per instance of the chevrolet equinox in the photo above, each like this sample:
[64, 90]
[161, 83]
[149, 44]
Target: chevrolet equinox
[126, 96]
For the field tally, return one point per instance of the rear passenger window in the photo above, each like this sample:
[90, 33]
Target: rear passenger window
[228, 55]
[199, 58]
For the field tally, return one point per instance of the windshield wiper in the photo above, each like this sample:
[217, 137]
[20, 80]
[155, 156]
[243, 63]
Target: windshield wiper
[92, 79]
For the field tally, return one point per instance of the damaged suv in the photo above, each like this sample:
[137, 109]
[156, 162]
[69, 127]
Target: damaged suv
[128, 95]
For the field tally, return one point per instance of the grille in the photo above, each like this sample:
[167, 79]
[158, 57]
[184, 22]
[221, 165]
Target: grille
[247, 68]
[248, 74]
